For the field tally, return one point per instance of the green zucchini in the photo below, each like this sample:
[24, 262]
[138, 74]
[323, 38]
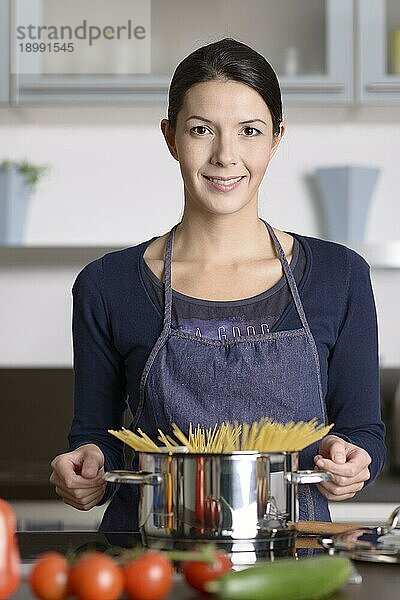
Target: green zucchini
[284, 579]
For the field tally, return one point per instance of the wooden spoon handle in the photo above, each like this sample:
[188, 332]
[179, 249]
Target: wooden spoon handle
[323, 527]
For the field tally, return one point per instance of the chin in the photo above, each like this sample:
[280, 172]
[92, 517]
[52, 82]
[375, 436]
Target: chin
[231, 209]
[226, 206]
[218, 203]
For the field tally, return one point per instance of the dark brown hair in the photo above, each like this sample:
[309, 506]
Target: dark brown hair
[226, 59]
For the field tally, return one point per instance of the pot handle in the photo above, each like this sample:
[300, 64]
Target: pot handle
[135, 477]
[308, 476]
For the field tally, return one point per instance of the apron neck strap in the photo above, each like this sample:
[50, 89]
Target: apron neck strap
[167, 279]
[290, 277]
[281, 255]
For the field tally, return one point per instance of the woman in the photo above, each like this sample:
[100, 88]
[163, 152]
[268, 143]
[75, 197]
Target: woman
[243, 334]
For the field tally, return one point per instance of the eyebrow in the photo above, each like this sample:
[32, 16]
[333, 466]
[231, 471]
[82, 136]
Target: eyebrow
[241, 122]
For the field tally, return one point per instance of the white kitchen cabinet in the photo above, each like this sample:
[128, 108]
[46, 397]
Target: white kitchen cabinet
[308, 42]
[379, 61]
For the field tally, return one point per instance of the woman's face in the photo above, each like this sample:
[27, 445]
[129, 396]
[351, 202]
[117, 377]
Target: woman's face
[223, 130]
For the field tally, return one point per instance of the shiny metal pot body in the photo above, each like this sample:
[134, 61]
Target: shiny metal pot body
[238, 498]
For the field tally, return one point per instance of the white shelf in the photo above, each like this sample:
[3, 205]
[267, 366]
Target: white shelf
[368, 513]
[55, 512]
[33, 256]
[379, 255]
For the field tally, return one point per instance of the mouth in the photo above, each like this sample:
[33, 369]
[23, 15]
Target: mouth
[227, 180]
[224, 184]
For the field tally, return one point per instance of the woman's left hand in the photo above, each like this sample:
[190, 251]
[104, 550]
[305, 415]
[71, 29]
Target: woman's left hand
[347, 463]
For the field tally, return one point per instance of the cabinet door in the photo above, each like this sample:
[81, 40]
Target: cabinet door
[308, 42]
[379, 51]
[324, 33]
[4, 51]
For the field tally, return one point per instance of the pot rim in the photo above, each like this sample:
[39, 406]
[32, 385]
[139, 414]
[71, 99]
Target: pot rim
[219, 454]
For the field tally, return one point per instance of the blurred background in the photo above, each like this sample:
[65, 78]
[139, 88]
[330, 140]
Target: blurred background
[84, 170]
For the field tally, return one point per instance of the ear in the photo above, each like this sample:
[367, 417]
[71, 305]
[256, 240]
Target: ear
[277, 138]
[169, 136]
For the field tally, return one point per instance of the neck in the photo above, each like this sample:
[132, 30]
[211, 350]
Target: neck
[223, 239]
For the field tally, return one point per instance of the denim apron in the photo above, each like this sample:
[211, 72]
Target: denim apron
[192, 379]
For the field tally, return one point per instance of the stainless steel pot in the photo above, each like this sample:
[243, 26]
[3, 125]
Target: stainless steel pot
[241, 500]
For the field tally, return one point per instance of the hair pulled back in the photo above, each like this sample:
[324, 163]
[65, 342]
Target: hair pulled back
[226, 59]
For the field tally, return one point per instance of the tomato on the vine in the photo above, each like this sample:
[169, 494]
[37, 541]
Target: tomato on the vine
[198, 573]
[71, 581]
[96, 577]
[148, 577]
[49, 575]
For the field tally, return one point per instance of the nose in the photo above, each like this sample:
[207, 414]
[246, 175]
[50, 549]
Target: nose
[224, 151]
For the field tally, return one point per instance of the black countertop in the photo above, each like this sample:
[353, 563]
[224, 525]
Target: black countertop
[378, 579]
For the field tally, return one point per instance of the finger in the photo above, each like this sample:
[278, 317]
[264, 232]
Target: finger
[69, 479]
[349, 469]
[334, 449]
[79, 494]
[87, 506]
[81, 500]
[342, 480]
[91, 466]
[337, 497]
[69, 466]
[340, 490]
[337, 452]
[87, 484]
[357, 453]
[364, 475]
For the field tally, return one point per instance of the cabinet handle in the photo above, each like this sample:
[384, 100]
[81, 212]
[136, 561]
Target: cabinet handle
[312, 88]
[383, 87]
[70, 87]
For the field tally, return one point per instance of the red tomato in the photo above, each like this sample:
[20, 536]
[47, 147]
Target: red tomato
[71, 582]
[49, 575]
[96, 577]
[148, 577]
[198, 573]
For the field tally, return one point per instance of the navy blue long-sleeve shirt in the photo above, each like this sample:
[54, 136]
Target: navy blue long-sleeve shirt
[116, 324]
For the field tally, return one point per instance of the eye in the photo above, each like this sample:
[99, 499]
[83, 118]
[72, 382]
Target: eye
[252, 129]
[199, 127]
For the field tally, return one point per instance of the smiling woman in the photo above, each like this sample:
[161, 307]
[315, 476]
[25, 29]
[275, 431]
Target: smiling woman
[222, 151]
[223, 318]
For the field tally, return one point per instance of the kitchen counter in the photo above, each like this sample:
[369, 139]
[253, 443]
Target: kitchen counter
[378, 579]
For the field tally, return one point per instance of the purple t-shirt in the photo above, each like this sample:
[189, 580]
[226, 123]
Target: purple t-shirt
[221, 320]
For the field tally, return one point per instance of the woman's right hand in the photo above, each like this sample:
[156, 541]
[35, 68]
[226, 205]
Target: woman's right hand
[78, 476]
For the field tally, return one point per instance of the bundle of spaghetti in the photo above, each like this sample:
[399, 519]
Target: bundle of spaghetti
[227, 438]
[220, 438]
[140, 442]
[269, 436]
[168, 441]
[182, 437]
[265, 435]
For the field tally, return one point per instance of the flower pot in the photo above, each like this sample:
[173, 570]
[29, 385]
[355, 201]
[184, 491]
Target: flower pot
[346, 194]
[14, 197]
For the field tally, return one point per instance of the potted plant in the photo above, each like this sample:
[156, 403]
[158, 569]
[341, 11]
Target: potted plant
[18, 179]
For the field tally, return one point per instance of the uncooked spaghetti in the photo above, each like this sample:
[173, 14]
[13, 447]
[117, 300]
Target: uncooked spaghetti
[265, 435]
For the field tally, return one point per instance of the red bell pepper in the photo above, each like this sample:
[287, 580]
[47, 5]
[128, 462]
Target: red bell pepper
[10, 562]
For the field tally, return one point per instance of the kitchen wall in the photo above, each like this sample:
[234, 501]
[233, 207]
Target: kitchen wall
[114, 183]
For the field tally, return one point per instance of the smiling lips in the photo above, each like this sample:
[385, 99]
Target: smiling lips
[223, 183]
